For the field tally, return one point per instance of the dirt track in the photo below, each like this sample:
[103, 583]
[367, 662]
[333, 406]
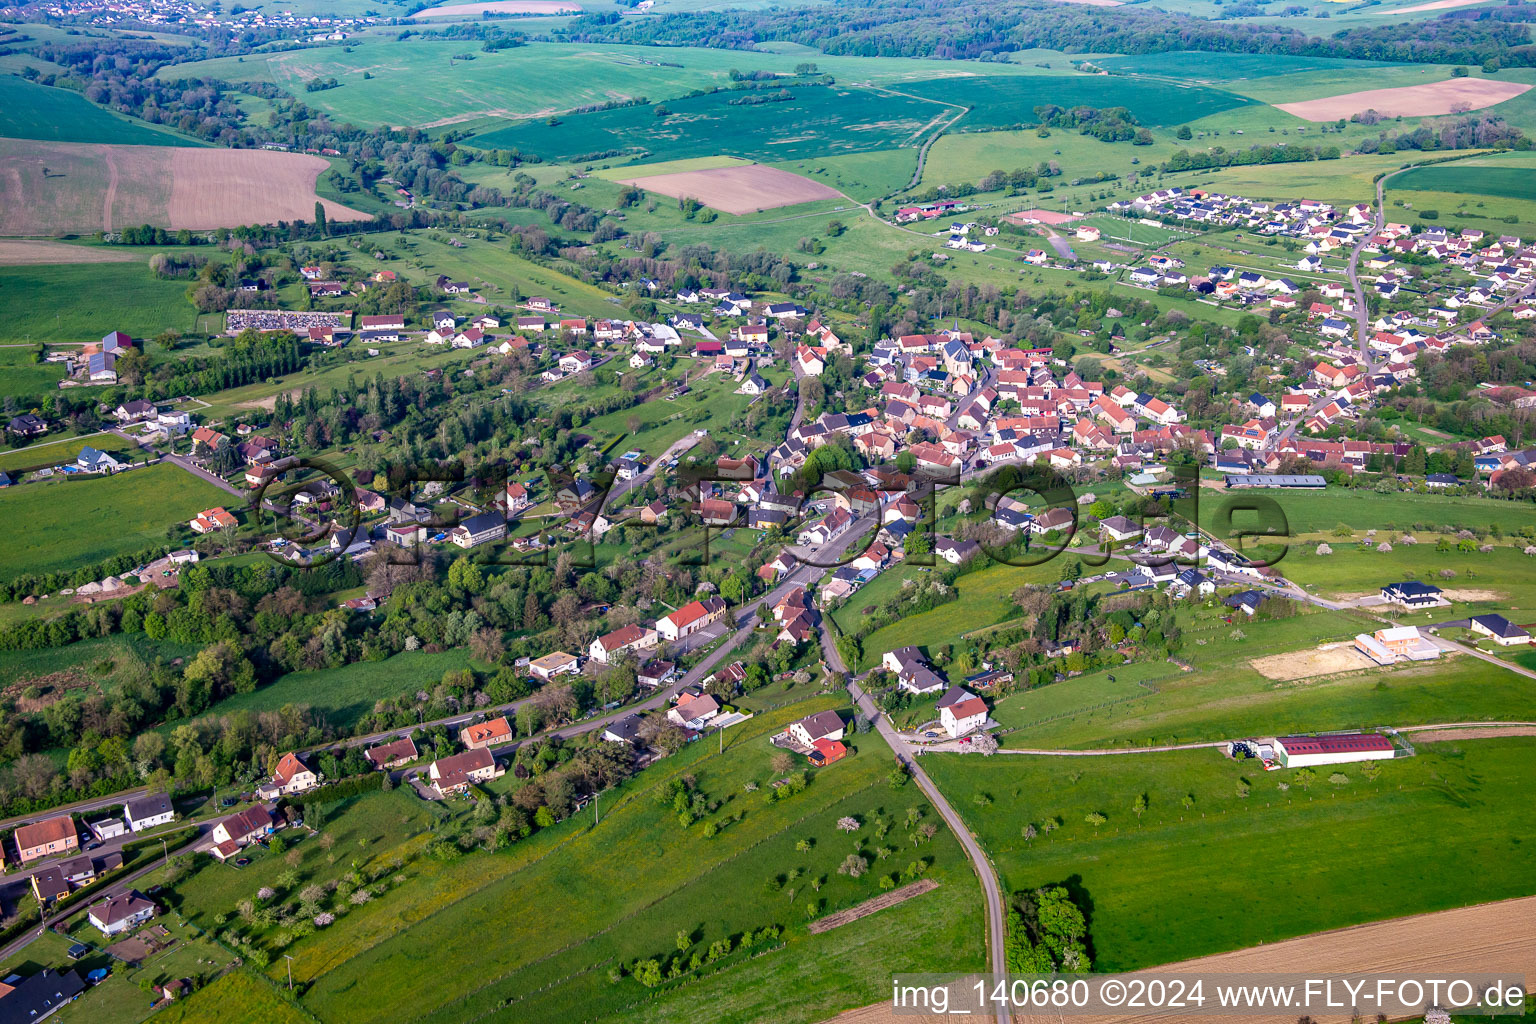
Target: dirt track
[1441, 97]
[1494, 937]
[872, 906]
[1481, 733]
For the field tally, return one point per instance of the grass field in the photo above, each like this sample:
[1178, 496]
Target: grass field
[95, 657]
[102, 297]
[655, 879]
[1007, 100]
[1393, 847]
[25, 380]
[32, 111]
[1312, 514]
[82, 521]
[343, 695]
[815, 121]
[1224, 696]
[1508, 576]
[240, 997]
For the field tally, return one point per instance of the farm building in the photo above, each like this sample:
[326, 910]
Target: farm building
[1307, 751]
[1287, 481]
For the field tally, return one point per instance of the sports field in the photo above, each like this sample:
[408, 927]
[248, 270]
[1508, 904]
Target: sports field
[32, 111]
[72, 188]
[1443, 808]
[83, 521]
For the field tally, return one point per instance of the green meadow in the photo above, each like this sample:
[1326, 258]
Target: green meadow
[1232, 865]
[26, 379]
[73, 303]
[1199, 66]
[79, 522]
[1225, 695]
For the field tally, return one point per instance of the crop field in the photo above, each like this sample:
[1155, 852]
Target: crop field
[1001, 100]
[1445, 806]
[352, 969]
[815, 121]
[67, 188]
[1199, 66]
[863, 176]
[1469, 179]
[126, 295]
[750, 188]
[83, 521]
[970, 156]
[21, 252]
[32, 111]
[1431, 98]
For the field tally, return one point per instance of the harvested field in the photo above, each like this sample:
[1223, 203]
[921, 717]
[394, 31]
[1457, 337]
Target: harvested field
[1444, 97]
[1494, 937]
[497, 7]
[749, 188]
[54, 188]
[218, 187]
[1040, 217]
[1322, 661]
[1482, 732]
[872, 906]
[16, 252]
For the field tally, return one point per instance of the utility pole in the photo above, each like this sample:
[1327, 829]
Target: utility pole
[290, 971]
[166, 868]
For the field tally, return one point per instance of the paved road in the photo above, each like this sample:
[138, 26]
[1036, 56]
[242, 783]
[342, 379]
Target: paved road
[997, 915]
[125, 882]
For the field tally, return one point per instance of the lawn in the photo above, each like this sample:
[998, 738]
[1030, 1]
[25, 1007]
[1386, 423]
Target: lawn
[32, 111]
[1232, 866]
[77, 522]
[101, 297]
[607, 893]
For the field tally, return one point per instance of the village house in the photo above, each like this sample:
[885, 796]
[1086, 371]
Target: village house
[457, 772]
[149, 811]
[631, 639]
[121, 912]
[394, 754]
[690, 618]
[45, 838]
[554, 664]
[486, 734]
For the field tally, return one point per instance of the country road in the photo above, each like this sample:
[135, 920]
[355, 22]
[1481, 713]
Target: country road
[997, 916]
